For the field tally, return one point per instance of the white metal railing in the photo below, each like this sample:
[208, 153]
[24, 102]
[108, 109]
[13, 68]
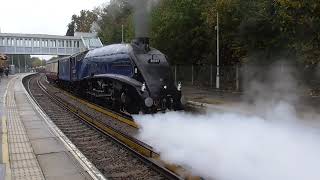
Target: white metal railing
[38, 44]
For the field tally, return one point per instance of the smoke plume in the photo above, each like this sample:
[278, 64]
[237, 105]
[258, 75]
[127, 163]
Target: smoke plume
[142, 10]
[274, 141]
[268, 85]
[233, 146]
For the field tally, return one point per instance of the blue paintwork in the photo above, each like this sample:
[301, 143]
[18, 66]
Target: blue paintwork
[110, 64]
[76, 69]
[64, 69]
[120, 64]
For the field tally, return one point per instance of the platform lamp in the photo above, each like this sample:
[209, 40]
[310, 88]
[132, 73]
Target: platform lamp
[218, 54]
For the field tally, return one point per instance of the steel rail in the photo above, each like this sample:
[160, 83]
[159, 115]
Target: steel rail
[126, 119]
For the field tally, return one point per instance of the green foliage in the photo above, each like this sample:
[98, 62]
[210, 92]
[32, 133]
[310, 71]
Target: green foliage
[299, 21]
[250, 30]
[113, 16]
[179, 31]
[22, 61]
[81, 23]
[36, 62]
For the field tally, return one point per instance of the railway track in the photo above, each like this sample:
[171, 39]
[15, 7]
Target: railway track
[122, 126]
[115, 154]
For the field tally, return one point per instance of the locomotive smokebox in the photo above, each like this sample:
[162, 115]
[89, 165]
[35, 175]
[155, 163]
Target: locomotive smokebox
[142, 43]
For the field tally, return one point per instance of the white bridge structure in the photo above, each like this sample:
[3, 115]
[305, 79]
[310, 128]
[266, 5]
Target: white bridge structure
[41, 44]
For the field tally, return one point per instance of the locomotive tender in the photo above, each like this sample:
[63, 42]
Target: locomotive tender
[127, 77]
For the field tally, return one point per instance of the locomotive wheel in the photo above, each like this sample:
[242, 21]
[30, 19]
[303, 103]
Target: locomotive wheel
[133, 109]
[129, 104]
[116, 105]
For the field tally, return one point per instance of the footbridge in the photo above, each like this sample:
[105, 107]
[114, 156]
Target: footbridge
[42, 44]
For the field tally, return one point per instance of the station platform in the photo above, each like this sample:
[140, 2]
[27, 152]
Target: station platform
[217, 97]
[238, 102]
[32, 147]
[210, 96]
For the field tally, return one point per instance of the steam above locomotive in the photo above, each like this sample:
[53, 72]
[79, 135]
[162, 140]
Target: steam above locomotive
[127, 77]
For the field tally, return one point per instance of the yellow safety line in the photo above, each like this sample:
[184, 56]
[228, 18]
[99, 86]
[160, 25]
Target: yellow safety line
[178, 170]
[102, 110]
[5, 148]
[5, 142]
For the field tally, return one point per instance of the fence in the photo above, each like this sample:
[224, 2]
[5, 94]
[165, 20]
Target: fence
[205, 76]
[234, 78]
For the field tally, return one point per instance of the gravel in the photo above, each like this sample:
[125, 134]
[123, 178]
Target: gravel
[113, 160]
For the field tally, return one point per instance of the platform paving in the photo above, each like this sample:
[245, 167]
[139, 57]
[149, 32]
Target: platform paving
[3, 86]
[34, 151]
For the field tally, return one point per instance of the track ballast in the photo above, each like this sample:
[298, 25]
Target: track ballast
[113, 159]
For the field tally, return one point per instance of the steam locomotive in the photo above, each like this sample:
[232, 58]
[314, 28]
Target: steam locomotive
[131, 78]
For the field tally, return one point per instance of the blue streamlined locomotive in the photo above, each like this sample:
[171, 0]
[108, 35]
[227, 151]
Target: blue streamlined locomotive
[126, 77]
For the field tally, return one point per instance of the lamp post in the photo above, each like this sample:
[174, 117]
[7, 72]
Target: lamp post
[19, 64]
[218, 55]
[25, 63]
[122, 34]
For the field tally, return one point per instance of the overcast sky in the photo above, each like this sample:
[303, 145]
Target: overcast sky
[41, 16]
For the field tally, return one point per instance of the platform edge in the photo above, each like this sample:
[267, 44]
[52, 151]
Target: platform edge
[5, 144]
[83, 161]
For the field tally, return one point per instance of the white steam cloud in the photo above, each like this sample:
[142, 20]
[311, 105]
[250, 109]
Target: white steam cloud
[272, 142]
[233, 146]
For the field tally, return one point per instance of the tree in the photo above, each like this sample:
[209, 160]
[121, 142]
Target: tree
[71, 27]
[178, 30]
[259, 31]
[299, 22]
[36, 62]
[113, 16]
[82, 23]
